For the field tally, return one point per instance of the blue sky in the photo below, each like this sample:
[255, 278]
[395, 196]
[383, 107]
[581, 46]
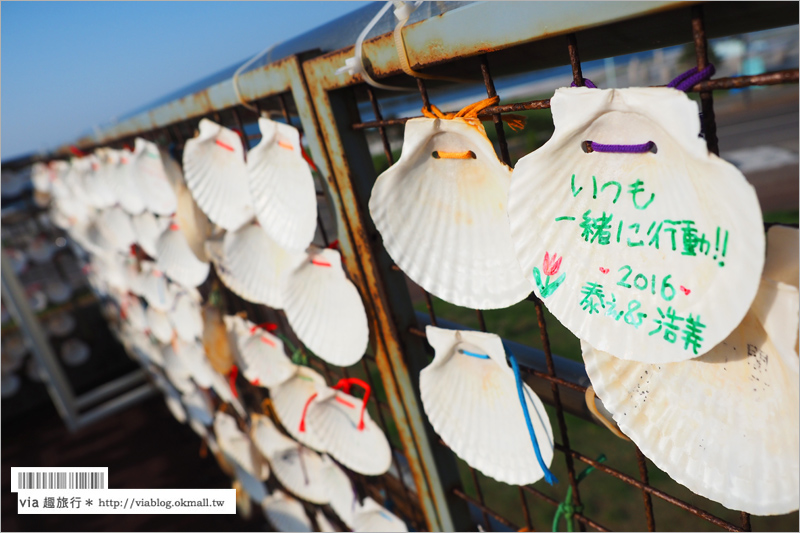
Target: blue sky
[67, 66]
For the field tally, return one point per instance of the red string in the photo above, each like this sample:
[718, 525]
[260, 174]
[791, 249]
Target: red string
[232, 380]
[320, 263]
[226, 146]
[308, 159]
[334, 245]
[76, 152]
[302, 427]
[345, 384]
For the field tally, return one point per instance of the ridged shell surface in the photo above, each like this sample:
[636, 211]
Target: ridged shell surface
[185, 314]
[256, 266]
[154, 187]
[148, 228]
[216, 175]
[123, 182]
[194, 357]
[238, 446]
[473, 404]
[334, 417]
[325, 309]
[116, 227]
[96, 184]
[644, 237]
[444, 220]
[177, 260]
[194, 224]
[299, 469]
[282, 187]
[340, 491]
[725, 424]
[159, 325]
[262, 359]
[290, 397]
[372, 516]
[177, 371]
[285, 513]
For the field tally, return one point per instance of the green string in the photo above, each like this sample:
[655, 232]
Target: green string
[298, 356]
[565, 508]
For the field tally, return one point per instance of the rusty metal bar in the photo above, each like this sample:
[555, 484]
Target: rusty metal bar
[706, 97]
[574, 60]
[648, 500]
[498, 121]
[745, 517]
[486, 511]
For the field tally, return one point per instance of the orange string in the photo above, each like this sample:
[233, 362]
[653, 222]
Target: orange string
[286, 145]
[515, 122]
[454, 155]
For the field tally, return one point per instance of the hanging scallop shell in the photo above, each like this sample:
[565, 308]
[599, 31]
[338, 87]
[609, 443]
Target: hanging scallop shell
[238, 447]
[132, 310]
[194, 358]
[145, 348]
[115, 225]
[193, 223]
[325, 309]
[75, 352]
[186, 314]
[40, 177]
[643, 236]
[58, 292]
[323, 523]
[155, 288]
[156, 190]
[443, 220]
[372, 516]
[148, 228]
[96, 184]
[285, 513]
[261, 356]
[289, 400]
[473, 404]
[253, 265]
[254, 488]
[198, 407]
[123, 180]
[282, 187]
[61, 324]
[215, 340]
[725, 424]
[177, 260]
[175, 407]
[217, 176]
[299, 469]
[159, 325]
[340, 491]
[336, 418]
[222, 387]
[177, 370]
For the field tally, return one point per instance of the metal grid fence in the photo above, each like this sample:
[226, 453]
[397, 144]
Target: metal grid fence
[405, 496]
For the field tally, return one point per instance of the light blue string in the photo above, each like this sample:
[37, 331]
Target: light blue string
[548, 476]
[473, 354]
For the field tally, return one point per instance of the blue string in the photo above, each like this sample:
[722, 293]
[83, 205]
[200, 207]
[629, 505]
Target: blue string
[548, 476]
[473, 354]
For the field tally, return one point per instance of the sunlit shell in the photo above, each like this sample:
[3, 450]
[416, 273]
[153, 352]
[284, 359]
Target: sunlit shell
[289, 399]
[285, 513]
[334, 417]
[444, 220]
[155, 188]
[185, 314]
[640, 257]
[323, 522]
[725, 424]
[262, 360]
[75, 352]
[176, 370]
[40, 177]
[96, 184]
[216, 341]
[177, 260]
[255, 488]
[193, 223]
[154, 287]
[237, 445]
[325, 309]
[372, 516]
[123, 181]
[473, 404]
[255, 267]
[132, 310]
[61, 324]
[299, 469]
[40, 250]
[194, 357]
[175, 407]
[243, 504]
[340, 491]
[198, 407]
[115, 225]
[148, 228]
[215, 172]
[58, 292]
[282, 187]
[9, 385]
[159, 324]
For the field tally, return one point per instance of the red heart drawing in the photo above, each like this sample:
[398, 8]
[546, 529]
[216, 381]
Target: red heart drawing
[604, 270]
[685, 290]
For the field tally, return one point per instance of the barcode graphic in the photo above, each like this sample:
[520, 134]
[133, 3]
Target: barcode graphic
[61, 480]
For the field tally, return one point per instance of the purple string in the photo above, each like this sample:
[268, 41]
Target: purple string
[587, 82]
[692, 77]
[621, 148]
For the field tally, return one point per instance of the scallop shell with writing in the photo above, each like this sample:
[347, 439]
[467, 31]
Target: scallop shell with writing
[642, 236]
[325, 309]
[473, 404]
[289, 399]
[216, 175]
[725, 424]
[444, 221]
[282, 186]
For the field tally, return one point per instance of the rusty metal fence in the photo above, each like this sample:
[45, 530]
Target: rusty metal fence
[428, 486]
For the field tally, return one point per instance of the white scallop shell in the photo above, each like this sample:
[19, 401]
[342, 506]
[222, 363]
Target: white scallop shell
[185, 314]
[254, 488]
[61, 324]
[177, 371]
[474, 406]
[115, 225]
[175, 407]
[194, 224]
[262, 360]
[145, 348]
[96, 184]
[159, 325]
[323, 523]
[372, 516]
[155, 288]
[148, 228]
[215, 172]
[254, 266]
[444, 221]
[155, 189]
[198, 407]
[40, 177]
[282, 187]
[123, 182]
[299, 469]
[285, 513]
[334, 417]
[325, 309]
[134, 312]
[686, 183]
[290, 397]
[237, 446]
[194, 358]
[340, 491]
[177, 260]
[75, 352]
